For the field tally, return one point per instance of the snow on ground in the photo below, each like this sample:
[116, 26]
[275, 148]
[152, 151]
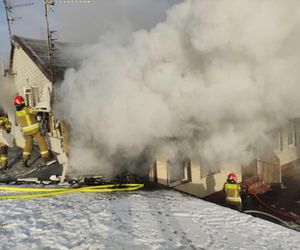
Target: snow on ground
[160, 219]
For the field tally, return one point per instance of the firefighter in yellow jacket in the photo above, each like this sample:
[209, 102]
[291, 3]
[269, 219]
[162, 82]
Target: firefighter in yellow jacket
[26, 118]
[5, 124]
[232, 192]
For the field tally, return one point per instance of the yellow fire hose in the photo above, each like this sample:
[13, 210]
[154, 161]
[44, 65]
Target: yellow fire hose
[46, 192]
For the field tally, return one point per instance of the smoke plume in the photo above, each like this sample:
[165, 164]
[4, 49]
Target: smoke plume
[7, 93]
[214, 79]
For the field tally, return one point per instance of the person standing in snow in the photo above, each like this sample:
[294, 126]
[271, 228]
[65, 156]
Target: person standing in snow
[5, 124]
[27, 120]
[232, 193]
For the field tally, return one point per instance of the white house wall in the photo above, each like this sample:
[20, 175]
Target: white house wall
[208, 185]
[27, 74]
[200, 186]
[288, 152]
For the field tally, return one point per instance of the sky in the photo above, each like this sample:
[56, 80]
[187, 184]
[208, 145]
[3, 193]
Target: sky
[4, 40]
[80, 22]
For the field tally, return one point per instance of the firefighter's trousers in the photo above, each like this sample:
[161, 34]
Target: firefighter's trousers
[29, 144]
[234, 205]
[3, 155]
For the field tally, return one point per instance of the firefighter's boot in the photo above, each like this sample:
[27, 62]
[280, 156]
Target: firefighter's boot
[25, 164]
[4, 165]
[49, 161]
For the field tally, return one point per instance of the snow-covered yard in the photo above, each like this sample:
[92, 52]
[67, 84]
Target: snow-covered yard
[159, 219]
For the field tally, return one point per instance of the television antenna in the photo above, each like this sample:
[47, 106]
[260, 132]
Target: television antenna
[9, 7]
[49, 4]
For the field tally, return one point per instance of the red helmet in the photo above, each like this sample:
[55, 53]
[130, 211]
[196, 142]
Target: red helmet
[232, 177]
[19, 100]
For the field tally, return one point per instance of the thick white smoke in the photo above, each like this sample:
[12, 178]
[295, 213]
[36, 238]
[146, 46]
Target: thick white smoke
[7, 93]
[214, 79]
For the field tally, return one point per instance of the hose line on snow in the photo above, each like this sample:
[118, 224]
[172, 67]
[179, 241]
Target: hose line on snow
[46, 192]
[286, 215]
[266, 214]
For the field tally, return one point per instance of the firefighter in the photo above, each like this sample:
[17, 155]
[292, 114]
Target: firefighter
[232, 192]
[27, 120]
[5, 124]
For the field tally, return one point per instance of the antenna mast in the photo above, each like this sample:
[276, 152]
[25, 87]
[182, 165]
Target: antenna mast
[7, 18]
[10, 19]
[50, 40]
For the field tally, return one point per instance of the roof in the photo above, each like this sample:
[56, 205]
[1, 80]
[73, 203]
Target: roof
[37, 50]
[145, 219]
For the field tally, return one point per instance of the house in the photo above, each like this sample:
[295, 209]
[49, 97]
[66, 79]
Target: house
[286, 144]
[29, 71]
[192, 175]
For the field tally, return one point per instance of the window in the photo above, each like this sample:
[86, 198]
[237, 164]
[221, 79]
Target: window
[208, 168]
[290, 132]
[179, 170]
[297, 131]
[32, 96]
[176, 171]
[188, 170]
[275, 140]
[280, 140]
[28, 96]
[35, 96]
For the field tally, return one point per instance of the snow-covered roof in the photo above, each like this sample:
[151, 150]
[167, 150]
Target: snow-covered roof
[161, 219]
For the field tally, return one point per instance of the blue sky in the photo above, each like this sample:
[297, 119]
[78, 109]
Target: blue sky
[81, 23]
[4, 39]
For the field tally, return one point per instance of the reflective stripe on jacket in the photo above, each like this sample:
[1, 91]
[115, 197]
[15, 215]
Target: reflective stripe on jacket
[232, 191]
[5, 123]
[27, 121]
